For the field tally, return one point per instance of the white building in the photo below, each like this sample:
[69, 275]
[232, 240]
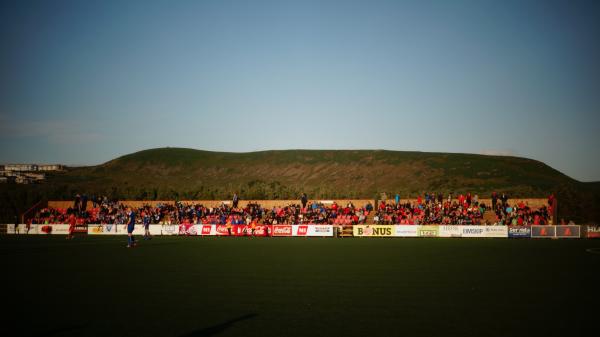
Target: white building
[33, 167]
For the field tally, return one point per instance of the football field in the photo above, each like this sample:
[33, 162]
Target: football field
[220, 286]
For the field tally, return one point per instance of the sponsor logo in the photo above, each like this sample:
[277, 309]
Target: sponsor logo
[98, 229]
[46, 229]
[374, 231]
[187, 230]
[222, 230]
[109, 227]
[206, 230]
[170, 229]
[260, 230]
[427, 232]
[473, 231]
[518, 230]
[282, 230]
[302, 230]
[322, 229]
[568, 231]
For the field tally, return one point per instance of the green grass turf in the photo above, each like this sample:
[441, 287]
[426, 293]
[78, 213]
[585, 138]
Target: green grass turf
[193, 286]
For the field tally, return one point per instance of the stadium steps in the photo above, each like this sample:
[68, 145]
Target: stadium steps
[348, 230]
[489, 216]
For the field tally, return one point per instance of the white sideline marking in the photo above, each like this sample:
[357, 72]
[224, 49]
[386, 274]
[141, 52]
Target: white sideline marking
[593, 250]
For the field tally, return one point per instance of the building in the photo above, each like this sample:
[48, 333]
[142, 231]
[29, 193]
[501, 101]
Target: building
[50, 167]
[33, 167]
[21, 167]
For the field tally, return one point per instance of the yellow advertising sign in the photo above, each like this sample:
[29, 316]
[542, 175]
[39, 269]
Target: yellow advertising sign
[374, 230]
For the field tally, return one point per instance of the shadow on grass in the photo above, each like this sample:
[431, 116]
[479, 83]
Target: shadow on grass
[217, 329]
[60, 330]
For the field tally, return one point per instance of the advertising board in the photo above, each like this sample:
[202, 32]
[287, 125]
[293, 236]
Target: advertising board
[374, 230]
[109, 229]
[312, 230]
[282, 230]
[428, 231]
[21, 229]
[593, 232]
[447, 231]
[409, 231]
[473, 231]
[543, 231]
[496, 231]
[61, 229]
[188, 229]
[519, 231]
[565, 232]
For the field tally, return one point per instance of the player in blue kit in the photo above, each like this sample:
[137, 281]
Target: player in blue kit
[130, 227]
[146, 221]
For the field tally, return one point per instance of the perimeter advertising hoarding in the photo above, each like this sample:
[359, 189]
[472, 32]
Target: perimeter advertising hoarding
[407, 231]
[110, 229]
[374, 230]
[62, 229]
[496, 232]
[519, 231]
[282, 230]
[593, 232]
[21, 229]
[244, 230]
[428, 231]
[568, 232]
[313, 230]
[473, 231]
[167, 229]
[449, 231]
[543, 231]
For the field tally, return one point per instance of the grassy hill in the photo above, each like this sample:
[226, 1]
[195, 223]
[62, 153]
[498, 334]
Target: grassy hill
[176, 173]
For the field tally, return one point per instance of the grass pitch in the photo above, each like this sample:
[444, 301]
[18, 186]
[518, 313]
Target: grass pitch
[194, 286]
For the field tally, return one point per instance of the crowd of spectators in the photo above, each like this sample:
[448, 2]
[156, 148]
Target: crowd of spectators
[113, 212]
[520, 214]
[432, 209]
[427, 209]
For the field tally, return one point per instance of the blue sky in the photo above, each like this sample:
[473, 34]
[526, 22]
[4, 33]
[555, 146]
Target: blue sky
[84, 82]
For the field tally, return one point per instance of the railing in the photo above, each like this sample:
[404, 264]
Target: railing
[39, 205]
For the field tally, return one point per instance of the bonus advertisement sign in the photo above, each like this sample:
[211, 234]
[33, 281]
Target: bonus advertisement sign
[374, 230]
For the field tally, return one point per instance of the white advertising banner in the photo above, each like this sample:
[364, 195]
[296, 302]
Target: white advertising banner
[312, 230]
[61, 229]
[110, 229]
[448, 231]
[10, 228]
[167, 229]
[121, 229]
[410, 231]
[473, 231]
[496, 231]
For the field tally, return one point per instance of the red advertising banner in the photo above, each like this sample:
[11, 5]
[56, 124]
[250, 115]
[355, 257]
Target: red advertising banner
[593, 232]
[282, 230]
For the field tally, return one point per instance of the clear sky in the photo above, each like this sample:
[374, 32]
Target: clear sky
[82, 82]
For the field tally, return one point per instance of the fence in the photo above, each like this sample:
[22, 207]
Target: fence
[316, 230]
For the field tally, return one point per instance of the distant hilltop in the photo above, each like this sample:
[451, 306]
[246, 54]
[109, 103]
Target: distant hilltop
[188, 174]
[172, 173]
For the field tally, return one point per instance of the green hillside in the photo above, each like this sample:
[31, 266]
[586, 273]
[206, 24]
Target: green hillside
[176, 173]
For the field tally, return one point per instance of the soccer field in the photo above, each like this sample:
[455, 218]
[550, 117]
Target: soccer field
[195, 286]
